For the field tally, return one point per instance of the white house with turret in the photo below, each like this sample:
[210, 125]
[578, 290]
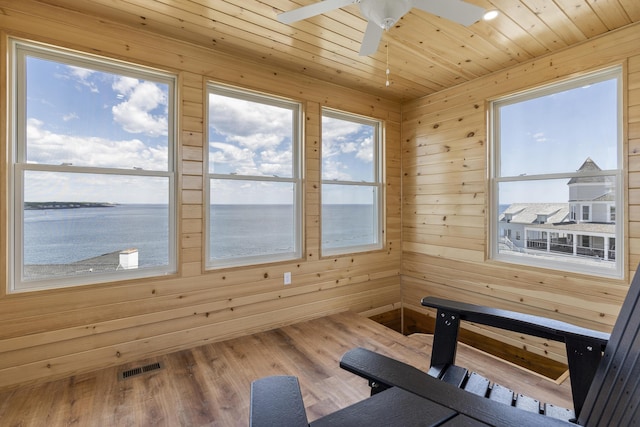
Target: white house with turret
[585, 226]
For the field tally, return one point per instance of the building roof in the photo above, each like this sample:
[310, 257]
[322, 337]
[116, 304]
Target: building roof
[589, 166]
[529, 213]
[557, 218]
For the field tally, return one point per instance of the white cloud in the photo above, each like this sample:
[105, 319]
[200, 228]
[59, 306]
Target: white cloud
[73, 187]
[239, 160]
[348, 147]
[257, 141]
[44, 146]
[332, 169]
[344, 137]
[249, 124]
[365, 150]
[539, 137]
[125, 85]
[70, 116]
[82, 76]
[251, 192]
[256, 137]
[276, 163]
[135, 113]
[347, 150]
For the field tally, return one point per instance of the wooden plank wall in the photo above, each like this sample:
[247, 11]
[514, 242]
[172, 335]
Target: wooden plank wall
[445, 199]
[53, 334]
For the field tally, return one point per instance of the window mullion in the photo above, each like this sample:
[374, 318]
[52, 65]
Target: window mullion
[355, 183]
[231, 177]
[91, 170]
[556, 176]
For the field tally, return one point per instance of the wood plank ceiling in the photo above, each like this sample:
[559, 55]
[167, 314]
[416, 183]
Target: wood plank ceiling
[426, 53]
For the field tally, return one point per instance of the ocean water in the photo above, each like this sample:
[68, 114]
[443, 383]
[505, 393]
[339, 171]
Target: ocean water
[348, 225]
[62, 236]
[251, 230]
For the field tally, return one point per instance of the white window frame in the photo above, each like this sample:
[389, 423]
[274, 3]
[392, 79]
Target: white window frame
[295, 179]
[19, 50]
[594, 77]
[377, 184]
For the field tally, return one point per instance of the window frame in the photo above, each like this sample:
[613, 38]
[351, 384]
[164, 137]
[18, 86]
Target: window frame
[378, 184]
[611, 73]
[296, 178]
[19, 50]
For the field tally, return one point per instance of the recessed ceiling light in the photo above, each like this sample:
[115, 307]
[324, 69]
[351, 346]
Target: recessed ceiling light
[490, 14]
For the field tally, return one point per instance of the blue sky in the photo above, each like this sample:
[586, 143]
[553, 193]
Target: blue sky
[556, 134]
[347, 150]
[254, 139]
[100, 119]
[249, 138]
[347, 155]
[96, 119]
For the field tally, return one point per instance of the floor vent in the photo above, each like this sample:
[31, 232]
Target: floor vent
[139, 371]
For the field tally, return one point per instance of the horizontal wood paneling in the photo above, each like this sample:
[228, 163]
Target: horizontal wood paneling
[445, 199]
[57, 333]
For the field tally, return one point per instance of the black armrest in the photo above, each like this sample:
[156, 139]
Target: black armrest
[394, 373]
[277, 401]
[584, 346]
[517, 322]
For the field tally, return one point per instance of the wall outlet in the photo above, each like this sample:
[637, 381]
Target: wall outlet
[287, 278]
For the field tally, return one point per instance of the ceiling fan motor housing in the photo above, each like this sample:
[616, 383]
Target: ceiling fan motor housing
[385, 13]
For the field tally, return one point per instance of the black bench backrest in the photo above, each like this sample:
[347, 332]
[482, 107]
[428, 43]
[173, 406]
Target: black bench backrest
[614, 396]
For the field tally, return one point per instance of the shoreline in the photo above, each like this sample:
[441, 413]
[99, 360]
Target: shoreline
[66, 205]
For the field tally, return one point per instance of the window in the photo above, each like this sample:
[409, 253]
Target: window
[351, 219]
[558, 150]
[92, 169]
[254, 183]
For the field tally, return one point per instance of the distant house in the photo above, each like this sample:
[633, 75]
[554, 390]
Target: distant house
[585, 226]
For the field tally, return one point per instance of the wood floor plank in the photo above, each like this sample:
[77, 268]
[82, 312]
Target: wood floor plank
[210, 385]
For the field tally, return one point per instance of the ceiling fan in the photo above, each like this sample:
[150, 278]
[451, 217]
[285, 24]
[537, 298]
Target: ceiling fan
[383, 14]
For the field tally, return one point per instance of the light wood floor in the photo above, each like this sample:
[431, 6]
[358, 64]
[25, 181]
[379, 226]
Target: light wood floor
[210, 385]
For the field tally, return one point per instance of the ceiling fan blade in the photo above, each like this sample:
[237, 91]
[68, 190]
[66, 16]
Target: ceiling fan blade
[455, 10]
[371, 39]
[314, 9]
